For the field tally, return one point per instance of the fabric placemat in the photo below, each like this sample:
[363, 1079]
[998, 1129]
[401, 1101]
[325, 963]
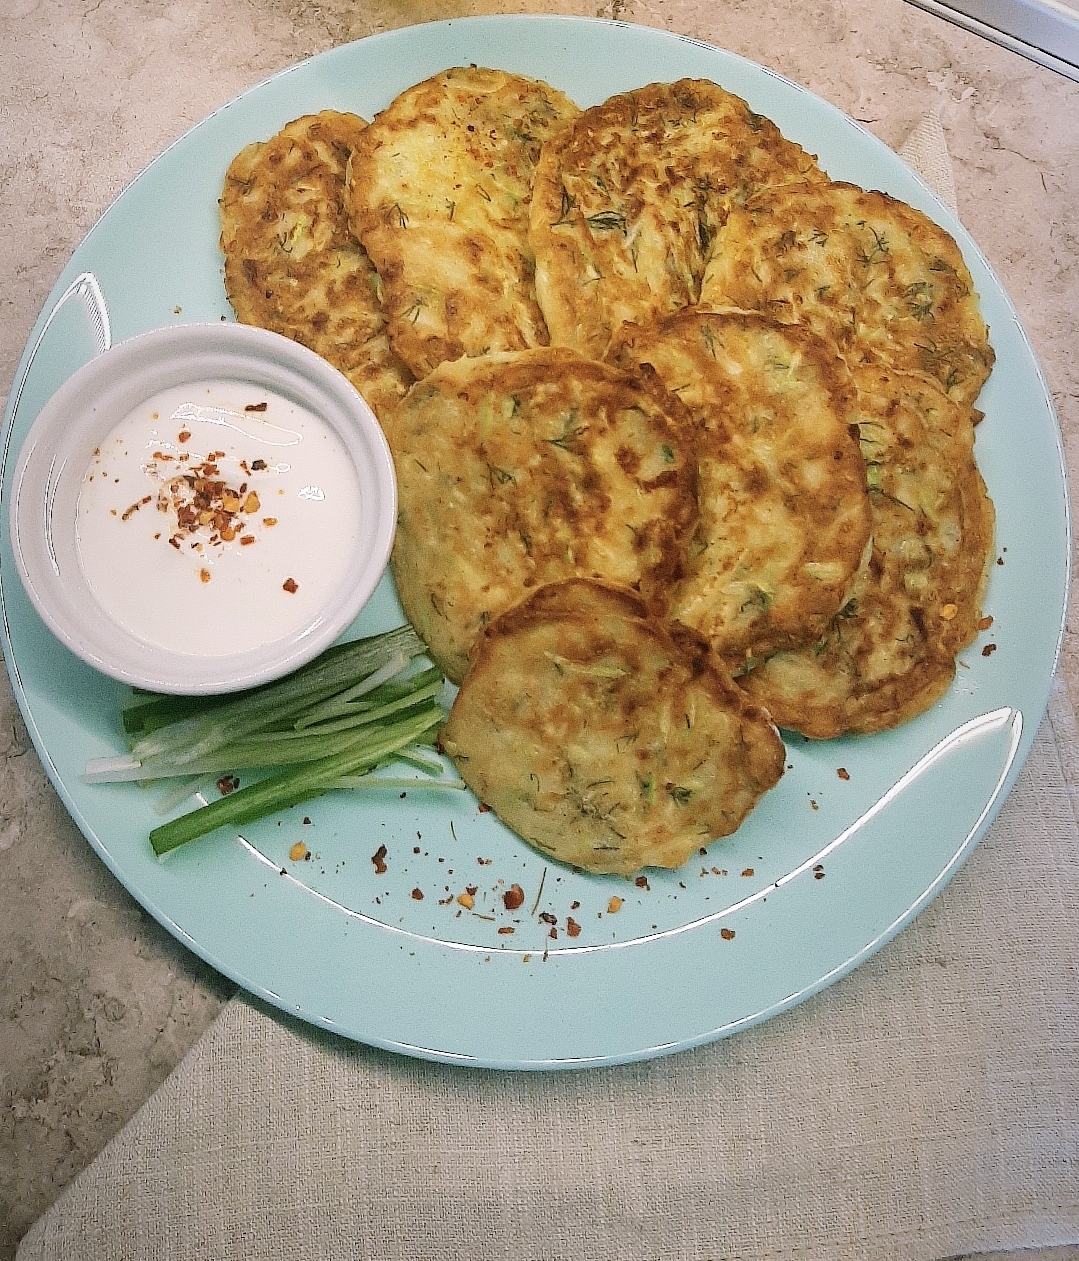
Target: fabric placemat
[925, 1106]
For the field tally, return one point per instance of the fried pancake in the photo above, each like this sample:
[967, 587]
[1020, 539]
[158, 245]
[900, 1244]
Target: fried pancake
[291, 263]
[890, 653]
[440, 186]
[526, 468]
[784, 508]
[628, 198]
[608, 738]
[877, 276]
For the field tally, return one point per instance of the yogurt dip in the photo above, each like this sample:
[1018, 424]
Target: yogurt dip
[216, 517]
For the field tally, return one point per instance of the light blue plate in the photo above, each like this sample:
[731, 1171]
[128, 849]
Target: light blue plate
[365, 954]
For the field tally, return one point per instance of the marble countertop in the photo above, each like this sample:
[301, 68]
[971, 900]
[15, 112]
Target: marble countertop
[97, 1002]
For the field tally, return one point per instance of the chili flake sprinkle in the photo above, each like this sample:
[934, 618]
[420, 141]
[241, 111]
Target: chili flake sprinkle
[208, 511]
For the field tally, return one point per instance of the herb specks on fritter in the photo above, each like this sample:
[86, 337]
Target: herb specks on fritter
[440, 187]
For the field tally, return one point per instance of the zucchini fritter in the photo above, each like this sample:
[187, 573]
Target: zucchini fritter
[883, 281]
[627, 199]
[609, 739]
[440, 186]
[526, 468]
[291, 263]
[890, 652]
[784, 508]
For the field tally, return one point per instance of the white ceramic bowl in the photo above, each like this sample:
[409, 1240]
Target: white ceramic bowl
[66, 436]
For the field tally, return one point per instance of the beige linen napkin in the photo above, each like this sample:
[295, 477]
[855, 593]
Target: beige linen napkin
[925, 1106]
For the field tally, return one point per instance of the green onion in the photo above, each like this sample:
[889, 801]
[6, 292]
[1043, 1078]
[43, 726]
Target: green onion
[289, 788]
[357, 707]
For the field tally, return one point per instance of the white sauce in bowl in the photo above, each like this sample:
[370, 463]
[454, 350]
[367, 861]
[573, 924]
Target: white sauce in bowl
[217, 517]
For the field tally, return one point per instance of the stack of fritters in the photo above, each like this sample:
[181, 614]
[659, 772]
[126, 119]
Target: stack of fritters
[683, 429]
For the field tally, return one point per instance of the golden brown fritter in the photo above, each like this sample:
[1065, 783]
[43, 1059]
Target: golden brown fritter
[291, 263]
[522, 469]
[890, 653]
[880, 278]
[627, 199]
[440, 186]
[784, 508]
[609, 739]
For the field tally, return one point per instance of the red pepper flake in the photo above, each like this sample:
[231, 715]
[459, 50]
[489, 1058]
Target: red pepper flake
[843, 773]
[227, 784]
[748, 871]
[642, 882]
[183, 436]
[988, 650]
[417, 895]
[727, 934]
[513, 897]
[572, 927]
[379, 859]
[246, 540]
[290, 585]
[135, 506]
[507, 929]
[985, 623]
[256, 407]
[257, 466]
[484, 808]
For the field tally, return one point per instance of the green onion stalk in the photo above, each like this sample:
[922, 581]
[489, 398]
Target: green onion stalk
[355, 708]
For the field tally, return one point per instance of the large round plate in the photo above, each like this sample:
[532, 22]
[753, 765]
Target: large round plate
[824, 872]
